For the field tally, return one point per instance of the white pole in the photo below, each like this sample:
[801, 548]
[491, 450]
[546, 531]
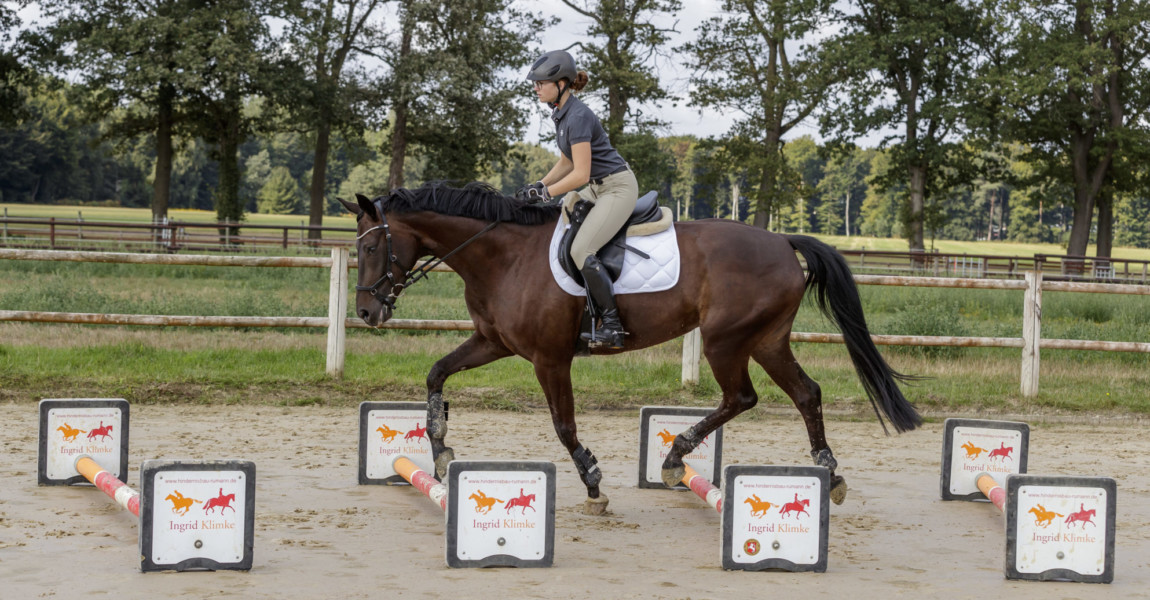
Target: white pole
[848, 214]
[337, 313]
[692, 343]
[1031, 333]
[735, 201]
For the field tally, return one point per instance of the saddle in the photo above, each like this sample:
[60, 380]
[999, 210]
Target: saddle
[648, 218]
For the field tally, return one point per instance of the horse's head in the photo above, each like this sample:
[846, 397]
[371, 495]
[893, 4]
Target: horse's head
[385, 256]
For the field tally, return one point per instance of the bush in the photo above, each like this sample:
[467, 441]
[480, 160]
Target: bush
[928, 315]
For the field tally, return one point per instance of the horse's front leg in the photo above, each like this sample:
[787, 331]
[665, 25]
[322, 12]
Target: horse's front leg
[475, 352]
[556, 383]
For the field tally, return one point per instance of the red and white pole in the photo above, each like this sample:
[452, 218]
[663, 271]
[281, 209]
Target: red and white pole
[114, 488]
[990, 488]
[421, 480]
[703, 488]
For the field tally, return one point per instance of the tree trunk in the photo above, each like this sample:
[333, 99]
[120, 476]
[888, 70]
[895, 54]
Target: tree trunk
[162, 184]
[319, 177]
[767, 179]
[1105, 224]
[917, 199]
[399, 127]
[228, 207]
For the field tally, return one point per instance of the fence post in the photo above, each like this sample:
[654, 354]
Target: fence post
[692, 343]
[80, 225]
[1031, 333]
[337, 313]
[52, 232]
[6, 232]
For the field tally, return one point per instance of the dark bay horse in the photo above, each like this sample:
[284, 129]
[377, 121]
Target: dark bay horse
[741, 286]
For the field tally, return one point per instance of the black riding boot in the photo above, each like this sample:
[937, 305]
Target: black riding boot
[610, 332]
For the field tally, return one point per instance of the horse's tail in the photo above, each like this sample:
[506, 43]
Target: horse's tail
[838, 298]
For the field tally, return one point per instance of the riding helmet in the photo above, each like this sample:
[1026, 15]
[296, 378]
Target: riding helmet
[553, 66]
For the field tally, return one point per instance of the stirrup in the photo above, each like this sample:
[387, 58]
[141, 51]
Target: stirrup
[610, 339]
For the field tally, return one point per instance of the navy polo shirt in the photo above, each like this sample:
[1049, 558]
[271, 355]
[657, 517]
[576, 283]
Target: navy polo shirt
[575, 123]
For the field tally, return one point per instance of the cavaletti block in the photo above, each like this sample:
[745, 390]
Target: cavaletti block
[658, 426]
[69, 428]
[388, 430]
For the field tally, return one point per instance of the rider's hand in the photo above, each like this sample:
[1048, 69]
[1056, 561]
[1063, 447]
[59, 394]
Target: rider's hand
[533, 193]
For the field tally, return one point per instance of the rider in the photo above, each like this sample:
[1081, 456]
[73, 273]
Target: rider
[586, 156]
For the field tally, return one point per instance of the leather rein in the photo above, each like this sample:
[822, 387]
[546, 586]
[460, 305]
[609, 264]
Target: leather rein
[412, 276]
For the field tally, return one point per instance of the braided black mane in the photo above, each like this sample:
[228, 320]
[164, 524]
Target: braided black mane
[476, 200]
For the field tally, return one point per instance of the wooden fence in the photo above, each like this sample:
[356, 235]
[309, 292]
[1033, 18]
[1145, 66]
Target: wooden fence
[337, 321]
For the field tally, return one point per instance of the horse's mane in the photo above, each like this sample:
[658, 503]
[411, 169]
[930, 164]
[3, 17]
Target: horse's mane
[476, 200]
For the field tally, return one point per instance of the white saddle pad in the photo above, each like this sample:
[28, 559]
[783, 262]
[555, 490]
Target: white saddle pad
[639, 275]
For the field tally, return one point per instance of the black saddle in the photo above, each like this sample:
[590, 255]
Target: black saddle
[611, 254]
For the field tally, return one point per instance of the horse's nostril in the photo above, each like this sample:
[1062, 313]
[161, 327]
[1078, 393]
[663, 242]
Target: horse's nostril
[363, 314]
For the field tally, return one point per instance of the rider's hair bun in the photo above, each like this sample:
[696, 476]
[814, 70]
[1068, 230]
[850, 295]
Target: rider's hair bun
[580, 82]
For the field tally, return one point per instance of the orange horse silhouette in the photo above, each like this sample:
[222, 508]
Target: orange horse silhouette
[1003, 451]
[523, 502]
[669, 437]
[222, 501]
[388, 434]
[1082, 516]
[759, 507]
[1041, 514]
[104, 431]
[483, 502]
[180, 504]
[416, 433]
[69, 432]
[972, 451]
[798, 507]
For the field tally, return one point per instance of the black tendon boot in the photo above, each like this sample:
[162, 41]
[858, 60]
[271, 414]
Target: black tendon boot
[610, 332]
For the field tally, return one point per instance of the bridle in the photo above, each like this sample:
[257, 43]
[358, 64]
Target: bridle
[410, 277]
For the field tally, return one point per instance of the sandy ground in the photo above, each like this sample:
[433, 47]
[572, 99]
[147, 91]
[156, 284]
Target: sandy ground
[320, 535]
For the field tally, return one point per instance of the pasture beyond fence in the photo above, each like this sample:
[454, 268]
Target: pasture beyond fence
[337, 320]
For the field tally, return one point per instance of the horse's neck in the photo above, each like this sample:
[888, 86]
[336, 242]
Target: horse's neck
[444, 234]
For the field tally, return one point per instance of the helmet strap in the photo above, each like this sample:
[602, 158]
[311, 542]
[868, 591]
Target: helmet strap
[559, 98]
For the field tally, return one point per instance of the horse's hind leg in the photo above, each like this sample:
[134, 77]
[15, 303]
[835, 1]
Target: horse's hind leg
[475, 352]
[779, 362]
[729, 365]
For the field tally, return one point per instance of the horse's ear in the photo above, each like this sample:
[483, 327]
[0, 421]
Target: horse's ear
[367, 207]
[351, 207]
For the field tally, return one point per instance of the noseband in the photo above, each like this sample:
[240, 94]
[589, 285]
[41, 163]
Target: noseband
[390, 257]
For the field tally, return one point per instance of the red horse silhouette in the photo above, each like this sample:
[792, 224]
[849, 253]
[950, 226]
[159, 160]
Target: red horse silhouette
[416, 433]
[222, 501]
[103, 431]
[1003, 451]
[524, 502]
[1082, 516]
[798, 507]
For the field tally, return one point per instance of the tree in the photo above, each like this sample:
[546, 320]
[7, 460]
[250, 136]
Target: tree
[906, 64]
[843, 188]
[334, 95]
[1132, 220]
[281, 194]
[1075, 84]
[448, 92]
[13, 73]
[134, 66]
[741, 64]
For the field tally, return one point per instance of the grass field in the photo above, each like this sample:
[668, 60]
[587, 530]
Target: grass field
[143, 215]
[287, 366]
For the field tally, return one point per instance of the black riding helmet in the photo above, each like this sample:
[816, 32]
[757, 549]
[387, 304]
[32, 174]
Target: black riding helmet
[553, 66]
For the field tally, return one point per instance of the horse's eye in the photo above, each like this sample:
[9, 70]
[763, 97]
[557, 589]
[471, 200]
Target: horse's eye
[371, 249]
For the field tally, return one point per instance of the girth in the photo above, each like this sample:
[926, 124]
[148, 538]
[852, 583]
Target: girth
[612, 253]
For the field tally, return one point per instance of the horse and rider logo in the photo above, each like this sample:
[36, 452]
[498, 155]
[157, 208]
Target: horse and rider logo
[103, 432]
[1083, 516]
[759, 507]
[1003, 451]
[181, 504]
[387, 434]
[1044, 518]
[484, 503]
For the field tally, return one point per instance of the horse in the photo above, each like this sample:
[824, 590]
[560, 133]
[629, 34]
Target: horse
[1043, 517]
[415, 434]
[1003, 451]
[180, 504]
[972, 451]
[103, 432]
[483, 502]
[740, 285]
[69, 432]
[222, 501]
[798, 507]
[759, 507]
[523, 502]
[1083, 516]
[386, 433]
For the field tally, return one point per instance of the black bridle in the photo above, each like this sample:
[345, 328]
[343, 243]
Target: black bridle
[410, 277]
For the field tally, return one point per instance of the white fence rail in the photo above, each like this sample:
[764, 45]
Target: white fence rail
[337, 321]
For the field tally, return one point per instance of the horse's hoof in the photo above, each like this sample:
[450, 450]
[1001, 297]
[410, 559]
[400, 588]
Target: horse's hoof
[595, 507]
[673, 476]
[838, 489]
[445, 456]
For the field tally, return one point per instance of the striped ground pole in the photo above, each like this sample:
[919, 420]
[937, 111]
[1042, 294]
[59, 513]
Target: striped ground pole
[703, 488]
[421, 480]
[990, 488]
[116, 489]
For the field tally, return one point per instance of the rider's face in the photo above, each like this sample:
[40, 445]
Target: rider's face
[546, 90]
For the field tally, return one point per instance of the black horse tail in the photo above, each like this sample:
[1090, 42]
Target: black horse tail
[838, 298]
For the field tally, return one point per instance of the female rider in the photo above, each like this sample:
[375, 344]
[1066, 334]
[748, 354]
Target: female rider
[586, 156]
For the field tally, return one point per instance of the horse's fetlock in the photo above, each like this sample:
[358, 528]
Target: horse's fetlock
[824, 458]
[588, 467]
